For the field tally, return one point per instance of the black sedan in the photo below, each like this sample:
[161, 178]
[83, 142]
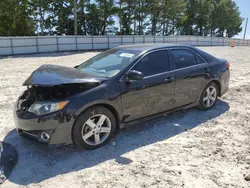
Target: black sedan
[87, 104]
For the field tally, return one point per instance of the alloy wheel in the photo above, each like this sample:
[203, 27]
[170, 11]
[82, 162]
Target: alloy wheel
[210, 96]
[96, 129]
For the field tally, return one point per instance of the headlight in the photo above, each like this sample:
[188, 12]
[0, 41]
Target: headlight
[47, 107]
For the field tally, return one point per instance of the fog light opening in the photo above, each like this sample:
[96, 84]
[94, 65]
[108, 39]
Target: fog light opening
[45, 136]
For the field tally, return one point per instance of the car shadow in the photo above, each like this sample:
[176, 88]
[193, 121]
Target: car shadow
[36, 164]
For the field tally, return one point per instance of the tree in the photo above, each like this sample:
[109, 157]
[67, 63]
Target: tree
[204, 9]
[173, 14]
[125, 13]
[154, 10]
[82, 17]
[107, 10]
[226, 19]
[62, 12]
[140, 14]
[211, 17]
[39, 12]
[15, 18]
[98, 17]
[197, 17]
[93, 23]
[75, 16]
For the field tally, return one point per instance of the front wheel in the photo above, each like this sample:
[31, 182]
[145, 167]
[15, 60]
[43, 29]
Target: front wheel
[209, 96]
[94, 127]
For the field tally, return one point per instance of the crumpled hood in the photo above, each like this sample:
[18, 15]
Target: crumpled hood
[51, 75]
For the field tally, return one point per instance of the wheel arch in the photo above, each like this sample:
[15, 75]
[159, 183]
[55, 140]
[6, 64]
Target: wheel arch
[105, 105]
[114, 112]
[217, 82]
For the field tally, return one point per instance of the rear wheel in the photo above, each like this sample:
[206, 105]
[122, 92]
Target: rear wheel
[209, 96]
[94, 127]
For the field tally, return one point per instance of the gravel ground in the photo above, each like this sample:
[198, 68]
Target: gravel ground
[186, 149]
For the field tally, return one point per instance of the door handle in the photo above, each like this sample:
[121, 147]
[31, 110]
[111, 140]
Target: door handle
[169, 79]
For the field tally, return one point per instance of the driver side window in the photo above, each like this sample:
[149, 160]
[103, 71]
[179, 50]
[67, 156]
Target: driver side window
[154, 63]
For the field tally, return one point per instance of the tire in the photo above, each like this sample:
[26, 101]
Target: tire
[88, 128]
[214, 91]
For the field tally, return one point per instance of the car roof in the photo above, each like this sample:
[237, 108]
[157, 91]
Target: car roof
[147, 47]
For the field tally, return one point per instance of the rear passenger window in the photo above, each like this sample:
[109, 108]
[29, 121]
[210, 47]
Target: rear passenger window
[154, 63]
[183, 58]
[200, 60]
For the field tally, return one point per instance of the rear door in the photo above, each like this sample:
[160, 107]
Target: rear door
[153, 94]
[191, 73]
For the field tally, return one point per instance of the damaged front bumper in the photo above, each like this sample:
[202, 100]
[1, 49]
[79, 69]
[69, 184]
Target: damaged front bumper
[52, 129]
[42, 112]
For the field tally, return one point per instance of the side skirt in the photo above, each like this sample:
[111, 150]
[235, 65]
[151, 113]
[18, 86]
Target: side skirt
[141, 120]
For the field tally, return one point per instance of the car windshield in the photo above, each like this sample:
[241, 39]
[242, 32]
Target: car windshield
[109, 63]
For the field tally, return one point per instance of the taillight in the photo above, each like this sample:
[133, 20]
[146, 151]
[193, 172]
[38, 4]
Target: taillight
[228, 65]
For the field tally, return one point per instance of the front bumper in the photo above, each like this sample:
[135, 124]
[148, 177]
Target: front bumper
[57, 125]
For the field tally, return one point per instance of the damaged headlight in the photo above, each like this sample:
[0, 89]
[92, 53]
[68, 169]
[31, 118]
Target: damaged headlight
[46, 107]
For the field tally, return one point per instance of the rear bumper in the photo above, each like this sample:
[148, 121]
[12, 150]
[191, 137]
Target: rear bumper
[225, 77]
[56, 125]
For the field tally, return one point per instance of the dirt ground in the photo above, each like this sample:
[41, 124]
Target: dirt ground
[203, 149]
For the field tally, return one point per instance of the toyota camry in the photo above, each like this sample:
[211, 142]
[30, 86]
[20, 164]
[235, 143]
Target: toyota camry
[88, 103]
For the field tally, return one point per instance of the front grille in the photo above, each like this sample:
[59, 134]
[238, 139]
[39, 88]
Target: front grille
[26, 100]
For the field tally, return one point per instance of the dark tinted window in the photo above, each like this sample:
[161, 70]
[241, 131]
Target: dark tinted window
[183, 58]
[200, 60]
[154, 63]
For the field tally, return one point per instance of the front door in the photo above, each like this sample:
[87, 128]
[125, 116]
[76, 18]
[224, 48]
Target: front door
[153, 94]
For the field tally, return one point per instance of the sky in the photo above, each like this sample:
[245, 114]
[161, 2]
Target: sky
[244, 6]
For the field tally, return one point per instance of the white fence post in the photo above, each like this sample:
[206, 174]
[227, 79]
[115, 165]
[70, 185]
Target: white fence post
[108, 42]
[92, 42]
[37, 47]
[11, 44]
[57, 46]
[76, 43]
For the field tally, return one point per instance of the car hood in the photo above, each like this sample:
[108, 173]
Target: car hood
[52, 75]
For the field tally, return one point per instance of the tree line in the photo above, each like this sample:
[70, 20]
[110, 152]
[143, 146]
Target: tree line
[120, 17]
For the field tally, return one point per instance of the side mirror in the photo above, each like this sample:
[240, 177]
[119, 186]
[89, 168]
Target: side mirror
[134, 75]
